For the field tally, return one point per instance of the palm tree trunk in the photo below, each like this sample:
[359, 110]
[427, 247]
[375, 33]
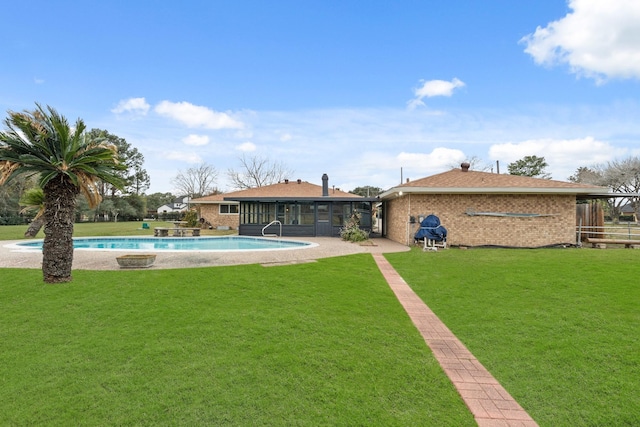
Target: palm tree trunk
[34, 227]
[57, 248]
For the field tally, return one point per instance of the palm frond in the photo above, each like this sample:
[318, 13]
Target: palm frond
[41, 141]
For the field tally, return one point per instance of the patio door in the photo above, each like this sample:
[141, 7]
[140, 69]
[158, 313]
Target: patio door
[323, 219]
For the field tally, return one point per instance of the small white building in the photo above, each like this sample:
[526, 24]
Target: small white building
[181, 204]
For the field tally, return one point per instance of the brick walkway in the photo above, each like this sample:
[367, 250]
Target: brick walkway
[488, 401]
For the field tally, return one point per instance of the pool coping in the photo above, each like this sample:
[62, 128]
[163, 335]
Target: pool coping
[304, 244]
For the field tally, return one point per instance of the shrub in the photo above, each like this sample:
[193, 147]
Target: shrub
[352, 231]
[192, 218]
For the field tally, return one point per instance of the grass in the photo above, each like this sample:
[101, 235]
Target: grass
[313, 344]
[560, 329]
[323, 343]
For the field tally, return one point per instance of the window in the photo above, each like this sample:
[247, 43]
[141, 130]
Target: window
[307, 213]
[364, 209]
[267, 212]
[289, 213]
[249, 213]
[228, 209]
[341, 213]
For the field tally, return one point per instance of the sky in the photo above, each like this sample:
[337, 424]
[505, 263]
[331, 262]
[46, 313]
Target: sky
[370, 93]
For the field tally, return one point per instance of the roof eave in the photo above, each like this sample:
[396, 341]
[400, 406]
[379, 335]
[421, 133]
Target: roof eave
[306, 199]
[394, 192]
[210, 202]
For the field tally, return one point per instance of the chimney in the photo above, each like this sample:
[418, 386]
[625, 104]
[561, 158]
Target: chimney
[465, 167]
[286, 181]
[325, 185]
[299, 181]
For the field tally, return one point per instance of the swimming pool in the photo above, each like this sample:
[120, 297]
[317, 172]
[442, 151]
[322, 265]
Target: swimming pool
[177, 244]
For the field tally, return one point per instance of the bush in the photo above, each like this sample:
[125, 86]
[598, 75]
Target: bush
[192, 218]
[352, 231]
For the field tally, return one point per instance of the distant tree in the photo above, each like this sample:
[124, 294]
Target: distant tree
[475, 163]
[197, 181]
[532, 166]
[366, 191]
[622, 176]
[586, 175]
[155, 200]
[138, 206]
[10, 194]
[135, 177]
[107, 209]
[258, 171]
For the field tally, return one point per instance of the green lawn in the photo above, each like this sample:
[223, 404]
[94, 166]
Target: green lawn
[313, 344]
[560, 329]
[322, 343]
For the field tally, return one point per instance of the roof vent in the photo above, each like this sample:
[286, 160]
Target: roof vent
[465, 167]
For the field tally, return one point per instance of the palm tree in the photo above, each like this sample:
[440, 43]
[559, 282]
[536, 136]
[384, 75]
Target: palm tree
[32, 202]
[66, 162]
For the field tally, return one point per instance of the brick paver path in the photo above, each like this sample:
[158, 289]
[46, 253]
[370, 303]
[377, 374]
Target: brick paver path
[488, 401]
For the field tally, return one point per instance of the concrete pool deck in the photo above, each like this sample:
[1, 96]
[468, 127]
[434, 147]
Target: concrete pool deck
[106, 260]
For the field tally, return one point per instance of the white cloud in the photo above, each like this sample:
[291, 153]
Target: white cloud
[433, 88]
[183, 156]
[38, 81]
[599, 39]
[246, 147]
[195, 116]
[196, 140]
[438, 159]
[132, 105]
[564, 156]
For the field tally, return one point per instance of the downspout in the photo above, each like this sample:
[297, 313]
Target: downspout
[408, 219]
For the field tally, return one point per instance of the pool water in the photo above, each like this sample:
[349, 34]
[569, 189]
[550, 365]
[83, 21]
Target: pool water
[223, 243]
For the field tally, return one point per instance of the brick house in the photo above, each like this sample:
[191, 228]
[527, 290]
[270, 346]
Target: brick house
[217, 211]
[302, 208]
[481, 208]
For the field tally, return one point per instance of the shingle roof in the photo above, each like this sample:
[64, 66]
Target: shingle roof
[284, 190]
[459, 181]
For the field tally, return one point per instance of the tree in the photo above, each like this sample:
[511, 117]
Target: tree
[258, 171]
[532, 166]
[197, 181]
[10, 194]
[66, 162]
[586, 175]
[155, 200]
[366, 191]
[32, 202]
[135, 177]
[622, 176]
[476, 164]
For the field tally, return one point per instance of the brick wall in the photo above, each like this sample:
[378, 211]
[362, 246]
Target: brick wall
[466, 230]
[211, 212]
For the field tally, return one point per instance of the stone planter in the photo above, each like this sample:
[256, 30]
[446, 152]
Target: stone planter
[136, 261]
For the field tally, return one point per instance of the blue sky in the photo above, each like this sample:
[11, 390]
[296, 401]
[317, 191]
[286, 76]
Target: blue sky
[357, 90]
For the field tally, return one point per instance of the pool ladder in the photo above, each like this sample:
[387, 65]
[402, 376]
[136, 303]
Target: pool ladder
[270, 224]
